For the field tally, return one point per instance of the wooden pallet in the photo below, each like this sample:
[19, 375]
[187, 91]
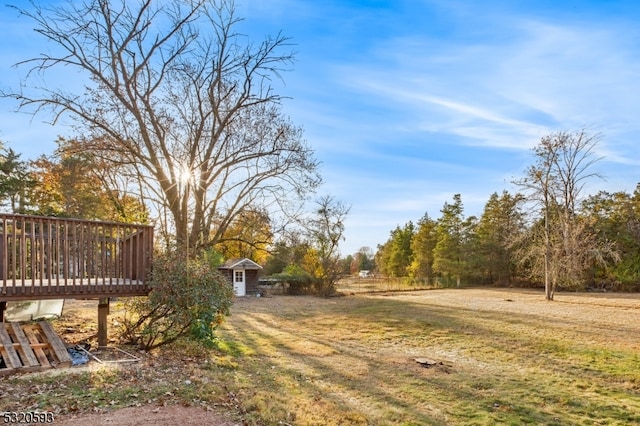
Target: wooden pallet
[31, 347]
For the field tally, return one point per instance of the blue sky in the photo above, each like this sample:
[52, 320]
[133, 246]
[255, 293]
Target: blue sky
[409, 102]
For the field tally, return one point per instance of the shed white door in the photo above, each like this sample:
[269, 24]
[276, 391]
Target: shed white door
[239, 284]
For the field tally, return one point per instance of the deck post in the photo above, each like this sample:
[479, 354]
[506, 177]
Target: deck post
[3, 307]
[103, 311]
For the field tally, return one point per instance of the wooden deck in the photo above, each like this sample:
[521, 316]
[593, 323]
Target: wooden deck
[52, 258]
[88, 288]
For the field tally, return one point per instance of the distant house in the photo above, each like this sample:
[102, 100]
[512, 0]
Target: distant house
[243, 273]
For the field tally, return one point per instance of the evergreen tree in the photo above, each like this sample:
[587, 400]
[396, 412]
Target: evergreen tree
[498, 229]
[616, 221]
[15, 180]
[449, 255]
[395, 256]
[422, 246]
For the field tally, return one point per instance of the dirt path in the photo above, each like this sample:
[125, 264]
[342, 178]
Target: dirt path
[151, 416]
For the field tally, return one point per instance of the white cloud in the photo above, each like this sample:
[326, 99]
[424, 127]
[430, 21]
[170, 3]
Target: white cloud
[508, 94]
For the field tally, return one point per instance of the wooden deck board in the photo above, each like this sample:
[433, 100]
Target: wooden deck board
[14, 290]
[69, 282]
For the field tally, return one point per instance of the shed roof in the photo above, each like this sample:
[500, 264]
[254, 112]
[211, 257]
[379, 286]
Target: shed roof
[240, 263]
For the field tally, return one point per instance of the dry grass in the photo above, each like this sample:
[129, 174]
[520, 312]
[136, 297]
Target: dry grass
[504, 356]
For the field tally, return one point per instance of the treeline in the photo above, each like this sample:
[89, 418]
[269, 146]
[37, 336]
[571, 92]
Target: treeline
[71, 182]
[547, 233]
[75, 183]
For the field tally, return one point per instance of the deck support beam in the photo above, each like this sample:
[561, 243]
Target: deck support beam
[103, 311]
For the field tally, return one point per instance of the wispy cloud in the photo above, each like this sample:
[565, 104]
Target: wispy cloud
[409, 102]
[508, 94]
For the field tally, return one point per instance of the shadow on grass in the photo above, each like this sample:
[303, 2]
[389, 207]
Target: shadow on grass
[351, 361]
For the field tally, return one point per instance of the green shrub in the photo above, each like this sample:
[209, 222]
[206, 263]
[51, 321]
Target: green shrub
[188, 298]
[300, 281]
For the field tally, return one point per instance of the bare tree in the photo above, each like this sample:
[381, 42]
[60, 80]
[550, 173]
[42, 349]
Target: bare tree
[325, 230]
[555, 182]
[180, 101]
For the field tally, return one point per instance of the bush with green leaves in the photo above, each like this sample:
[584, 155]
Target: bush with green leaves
[188, 298]
[299, 280]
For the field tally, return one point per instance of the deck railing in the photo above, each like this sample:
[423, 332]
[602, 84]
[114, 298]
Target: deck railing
[46, 257]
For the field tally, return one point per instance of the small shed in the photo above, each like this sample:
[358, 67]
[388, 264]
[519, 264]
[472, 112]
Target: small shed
[243, 273]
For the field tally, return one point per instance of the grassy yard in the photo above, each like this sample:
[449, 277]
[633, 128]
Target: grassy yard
[501, 357]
